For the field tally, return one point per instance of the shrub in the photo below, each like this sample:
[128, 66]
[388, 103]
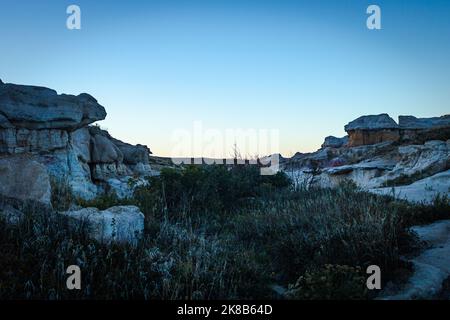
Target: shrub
[332, 282]
[104, 202]
[212, 188]
[217, 233]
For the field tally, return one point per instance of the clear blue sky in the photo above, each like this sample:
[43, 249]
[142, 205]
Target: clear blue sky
[303, 67]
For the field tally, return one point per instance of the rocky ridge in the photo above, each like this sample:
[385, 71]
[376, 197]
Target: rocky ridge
[408, 159]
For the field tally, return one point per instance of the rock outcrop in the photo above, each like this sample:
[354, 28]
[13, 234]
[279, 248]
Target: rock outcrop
[24, 179]
[123, 224]
[54, 131]
[413, 123]
[36, 108]
[419, 130]
[421, 191]
[371, 130]
[412, 157]
[334, 142]
[374, 129]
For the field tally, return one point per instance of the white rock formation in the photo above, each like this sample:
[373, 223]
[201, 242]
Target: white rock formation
[122, 224]
[421, 191]
[407, 154]
[53, 130]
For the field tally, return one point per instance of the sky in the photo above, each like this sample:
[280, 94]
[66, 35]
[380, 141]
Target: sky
[302, 68]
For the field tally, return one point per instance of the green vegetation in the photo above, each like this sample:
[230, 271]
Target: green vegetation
[214, 232]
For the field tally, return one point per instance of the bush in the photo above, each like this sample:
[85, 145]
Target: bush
[301, 230]
[211, 188]
[332, 282]
[105, 201]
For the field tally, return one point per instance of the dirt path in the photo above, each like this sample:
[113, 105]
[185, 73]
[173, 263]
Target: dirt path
[431, 267]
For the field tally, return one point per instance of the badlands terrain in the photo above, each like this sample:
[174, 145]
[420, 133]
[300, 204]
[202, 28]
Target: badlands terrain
[385, 176]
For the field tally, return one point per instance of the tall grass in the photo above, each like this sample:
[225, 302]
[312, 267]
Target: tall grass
[213, 233]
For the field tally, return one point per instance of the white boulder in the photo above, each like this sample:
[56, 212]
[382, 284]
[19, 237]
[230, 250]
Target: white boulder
[121, 224]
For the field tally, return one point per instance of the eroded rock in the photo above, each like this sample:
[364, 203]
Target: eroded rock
[25, 179]
[35, 108]
[421, 191]
[334, 142]
[121, 224]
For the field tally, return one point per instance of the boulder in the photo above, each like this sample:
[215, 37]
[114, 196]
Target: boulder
[104, 151]
[334, 142]
[35, 108]
[133, 155]
[122, 224]
[24, 179]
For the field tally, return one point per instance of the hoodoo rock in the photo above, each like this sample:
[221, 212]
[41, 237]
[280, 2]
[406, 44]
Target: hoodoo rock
[381, 154]
[371, 130]
[53, 131]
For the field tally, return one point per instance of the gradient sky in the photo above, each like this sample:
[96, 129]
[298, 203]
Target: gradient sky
[304, 67]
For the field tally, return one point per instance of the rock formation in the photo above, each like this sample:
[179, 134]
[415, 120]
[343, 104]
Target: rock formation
[53, 131]
[414, 129]
[375, 129]
[371, 130]
[379, 155]
[123, 224]
[36, 108]
[334, 142]
[24, 179]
